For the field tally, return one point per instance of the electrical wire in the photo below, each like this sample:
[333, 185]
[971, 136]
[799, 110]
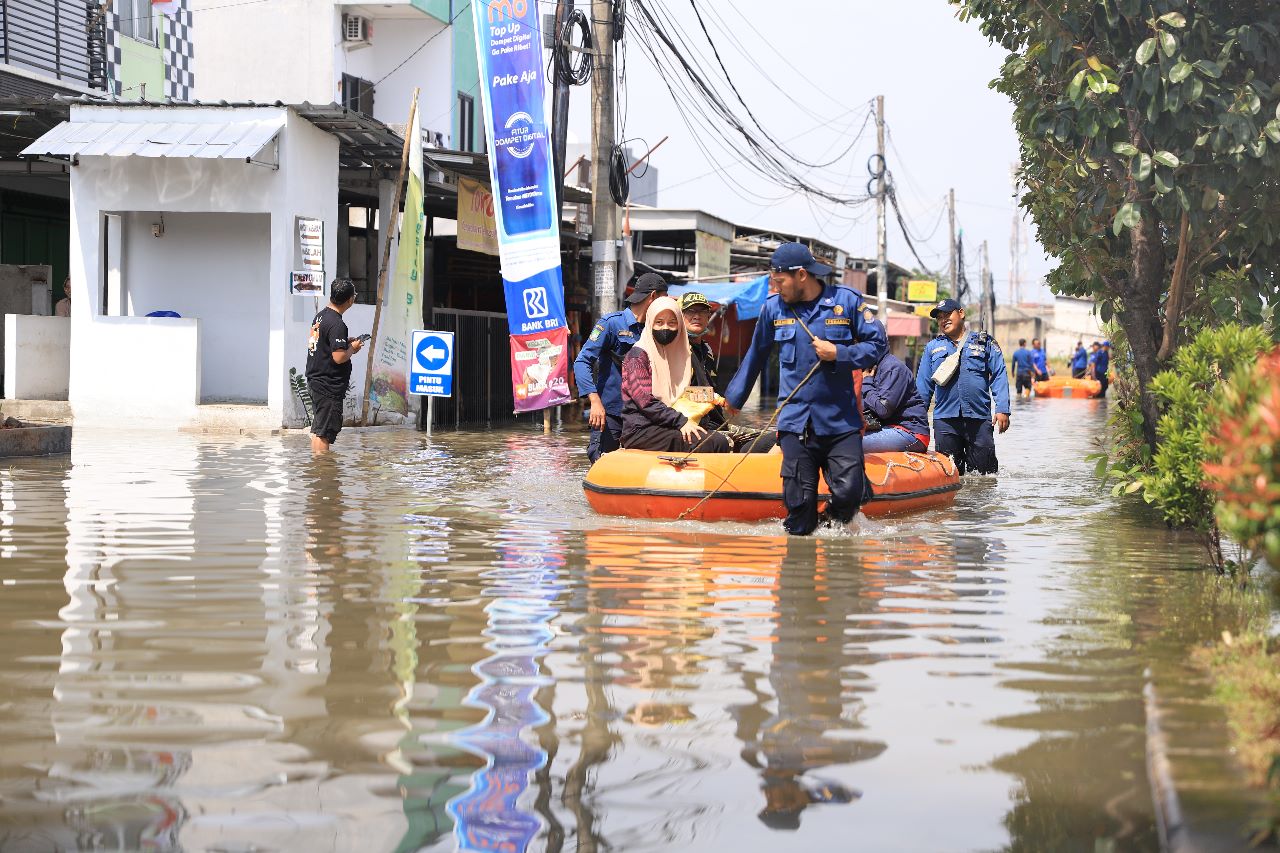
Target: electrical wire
[563, 50]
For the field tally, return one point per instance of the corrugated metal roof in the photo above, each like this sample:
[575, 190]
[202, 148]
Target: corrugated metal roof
[235, 140]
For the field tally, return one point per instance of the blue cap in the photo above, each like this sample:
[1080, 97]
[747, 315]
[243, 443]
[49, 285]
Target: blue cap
[1106, 344]
[946, 306]
[790, 257]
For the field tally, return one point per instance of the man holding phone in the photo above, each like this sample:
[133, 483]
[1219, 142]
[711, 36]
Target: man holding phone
[329, 352]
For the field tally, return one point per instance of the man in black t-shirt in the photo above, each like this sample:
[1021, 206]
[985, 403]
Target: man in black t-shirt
[329, 354]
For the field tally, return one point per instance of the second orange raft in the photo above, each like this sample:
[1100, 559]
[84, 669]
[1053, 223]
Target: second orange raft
[646, 484]
[1059, 386]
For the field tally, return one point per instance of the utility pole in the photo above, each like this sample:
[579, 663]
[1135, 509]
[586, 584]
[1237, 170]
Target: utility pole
[951, 216]
[986, 322]
[882, 235]
[559, 108]
[604, 213]
[1015, 243]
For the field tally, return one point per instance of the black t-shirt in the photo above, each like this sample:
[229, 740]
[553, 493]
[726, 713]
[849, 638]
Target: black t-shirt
[328, 333]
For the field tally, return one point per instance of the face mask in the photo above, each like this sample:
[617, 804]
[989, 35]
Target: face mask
[664, 336]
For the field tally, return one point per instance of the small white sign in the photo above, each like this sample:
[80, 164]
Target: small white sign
[311, 244]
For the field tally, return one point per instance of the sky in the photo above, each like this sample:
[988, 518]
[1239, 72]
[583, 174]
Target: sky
[807, 69]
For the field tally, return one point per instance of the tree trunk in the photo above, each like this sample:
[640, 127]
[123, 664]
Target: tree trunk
[1139, 313]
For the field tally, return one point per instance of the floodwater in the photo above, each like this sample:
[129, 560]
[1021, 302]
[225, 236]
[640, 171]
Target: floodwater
[222, 644]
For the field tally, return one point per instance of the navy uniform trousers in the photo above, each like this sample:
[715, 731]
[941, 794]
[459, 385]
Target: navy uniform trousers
[839, 459]
[971, 442]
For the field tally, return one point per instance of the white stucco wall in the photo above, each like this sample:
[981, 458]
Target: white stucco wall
[214, 267]
[1073, 320]
[430, 69]
[306, 185]
[37, 358]
[254, 54]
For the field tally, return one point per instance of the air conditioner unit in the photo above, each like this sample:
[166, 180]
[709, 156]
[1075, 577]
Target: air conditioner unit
[356, 31]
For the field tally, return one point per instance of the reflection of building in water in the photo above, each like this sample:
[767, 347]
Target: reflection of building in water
[525, 586]
[814, 713]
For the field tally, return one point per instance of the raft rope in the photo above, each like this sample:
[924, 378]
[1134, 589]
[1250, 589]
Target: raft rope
[744, 456]
[920, 459]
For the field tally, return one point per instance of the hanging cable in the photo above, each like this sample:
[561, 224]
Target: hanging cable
[564, 49]
[619, 180]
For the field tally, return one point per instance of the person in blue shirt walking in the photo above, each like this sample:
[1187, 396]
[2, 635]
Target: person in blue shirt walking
[1079, 361]
[1100, 365]
[1024, 368]
[1041, 360]
[823, 333]
[895, 417]
[598, 367]
[962, 420]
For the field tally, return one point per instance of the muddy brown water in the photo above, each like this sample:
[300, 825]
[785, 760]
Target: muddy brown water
[221, 644]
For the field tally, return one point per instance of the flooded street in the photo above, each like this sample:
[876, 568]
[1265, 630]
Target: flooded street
[221, 644]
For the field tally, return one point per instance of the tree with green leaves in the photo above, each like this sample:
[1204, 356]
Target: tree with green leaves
[1150, 138]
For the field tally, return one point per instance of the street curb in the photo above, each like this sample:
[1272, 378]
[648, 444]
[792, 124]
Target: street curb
[1164, 795]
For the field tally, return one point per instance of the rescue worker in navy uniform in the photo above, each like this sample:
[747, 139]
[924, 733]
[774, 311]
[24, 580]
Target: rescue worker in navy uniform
[598, 367]
[963, 426]
[825, 329]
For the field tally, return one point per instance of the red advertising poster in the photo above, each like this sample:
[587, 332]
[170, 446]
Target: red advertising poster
[540, 369]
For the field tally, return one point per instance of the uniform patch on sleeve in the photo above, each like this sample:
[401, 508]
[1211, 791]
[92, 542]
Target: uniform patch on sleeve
[786, 321]
[867, 316]
[839, 309]
[837, 321]
[597, 332]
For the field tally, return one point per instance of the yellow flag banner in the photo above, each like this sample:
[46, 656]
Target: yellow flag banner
[477, 228]
[402, 306]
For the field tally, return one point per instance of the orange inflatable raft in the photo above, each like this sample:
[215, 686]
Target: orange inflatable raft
[1059, 386]
[646, 484]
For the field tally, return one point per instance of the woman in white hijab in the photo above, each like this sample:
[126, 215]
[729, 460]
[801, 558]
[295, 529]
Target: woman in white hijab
[655, 374]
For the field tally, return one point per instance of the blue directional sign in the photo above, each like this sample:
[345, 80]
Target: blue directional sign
[431, 364]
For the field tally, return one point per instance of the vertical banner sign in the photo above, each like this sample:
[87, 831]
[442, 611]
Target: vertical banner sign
[509, 45]
[402, 308]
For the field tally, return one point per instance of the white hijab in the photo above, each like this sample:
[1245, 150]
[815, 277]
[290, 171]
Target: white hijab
[671, 365]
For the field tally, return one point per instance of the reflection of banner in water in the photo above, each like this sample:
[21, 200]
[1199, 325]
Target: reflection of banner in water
[509, 49]
[488, 816]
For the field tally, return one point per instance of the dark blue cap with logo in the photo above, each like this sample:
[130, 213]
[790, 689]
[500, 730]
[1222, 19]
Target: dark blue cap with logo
[790, 257]
[946, 306]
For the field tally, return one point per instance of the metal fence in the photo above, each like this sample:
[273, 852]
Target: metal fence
[481, 372]
[49, 36]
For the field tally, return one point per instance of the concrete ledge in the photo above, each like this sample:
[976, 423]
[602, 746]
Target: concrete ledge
[34, 440]
[36, 411]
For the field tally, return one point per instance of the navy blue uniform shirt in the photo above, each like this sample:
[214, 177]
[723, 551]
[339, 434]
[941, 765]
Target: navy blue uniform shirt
[1102, 364]
[1041, 360]
[826, 402]
[1080, 360]
[595, 369]
[1022, 360]
[982, 375]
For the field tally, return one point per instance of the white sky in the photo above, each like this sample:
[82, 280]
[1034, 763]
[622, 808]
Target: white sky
[827, 57]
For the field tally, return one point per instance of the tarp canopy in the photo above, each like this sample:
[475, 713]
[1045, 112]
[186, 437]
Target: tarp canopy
[747, 296]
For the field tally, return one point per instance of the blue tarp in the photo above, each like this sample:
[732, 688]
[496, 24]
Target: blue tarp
[748, 296]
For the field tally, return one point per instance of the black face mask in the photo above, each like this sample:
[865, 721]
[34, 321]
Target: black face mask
[665, 336]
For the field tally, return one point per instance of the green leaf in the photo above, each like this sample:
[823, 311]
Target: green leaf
[1074, 89]
[1168, 44]
[1116, 489]
[1146, 50]
[1128, 216]
[1124, 149]
[1209, 69]
[1174, 19]
[1272, 129]
[1100, 470]
[1193, 90]
[1097, 83]
[1142, 170]
[1167, 158]
[1133, 487]
[1179, 72]
[1209, 200]
[1161, 186]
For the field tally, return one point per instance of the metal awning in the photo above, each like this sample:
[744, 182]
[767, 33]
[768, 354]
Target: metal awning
[235, 140]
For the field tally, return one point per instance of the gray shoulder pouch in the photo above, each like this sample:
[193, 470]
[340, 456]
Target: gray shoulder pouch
[946, 372]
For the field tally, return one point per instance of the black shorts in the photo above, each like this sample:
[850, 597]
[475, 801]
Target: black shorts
[327, 422]
[1023, 381]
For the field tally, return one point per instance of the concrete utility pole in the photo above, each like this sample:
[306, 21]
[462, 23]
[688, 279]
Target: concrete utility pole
[604, 213]
[1015, 243]
[951, 216]
[986, 320]
[882, 234]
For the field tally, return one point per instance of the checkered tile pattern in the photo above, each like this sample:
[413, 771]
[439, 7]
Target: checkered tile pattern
[180, 81]
[114, 52]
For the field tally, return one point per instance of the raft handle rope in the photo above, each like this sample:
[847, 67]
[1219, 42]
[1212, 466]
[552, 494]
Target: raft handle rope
[743, 457]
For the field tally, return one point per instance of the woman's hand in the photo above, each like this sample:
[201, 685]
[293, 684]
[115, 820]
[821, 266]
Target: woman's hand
[691, 432]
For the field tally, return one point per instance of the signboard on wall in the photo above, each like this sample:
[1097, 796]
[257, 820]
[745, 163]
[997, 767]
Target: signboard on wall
[477, 228]
[311, 244]
[712, 258]
[525, 207]
[922, 291]
[306, 283]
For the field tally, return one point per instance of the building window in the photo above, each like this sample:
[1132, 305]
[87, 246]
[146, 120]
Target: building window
[466, 123]
[357, 94]
[137, 20]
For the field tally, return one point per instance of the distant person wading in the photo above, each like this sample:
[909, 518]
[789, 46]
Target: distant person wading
[329, 352]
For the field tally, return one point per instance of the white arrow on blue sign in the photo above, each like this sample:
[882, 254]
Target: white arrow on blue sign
[431, 364]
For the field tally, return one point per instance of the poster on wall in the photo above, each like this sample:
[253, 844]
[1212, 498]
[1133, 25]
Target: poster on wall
[402, 302]
[477, 227]
[526, 211]
[311, 244]
[306, 283]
